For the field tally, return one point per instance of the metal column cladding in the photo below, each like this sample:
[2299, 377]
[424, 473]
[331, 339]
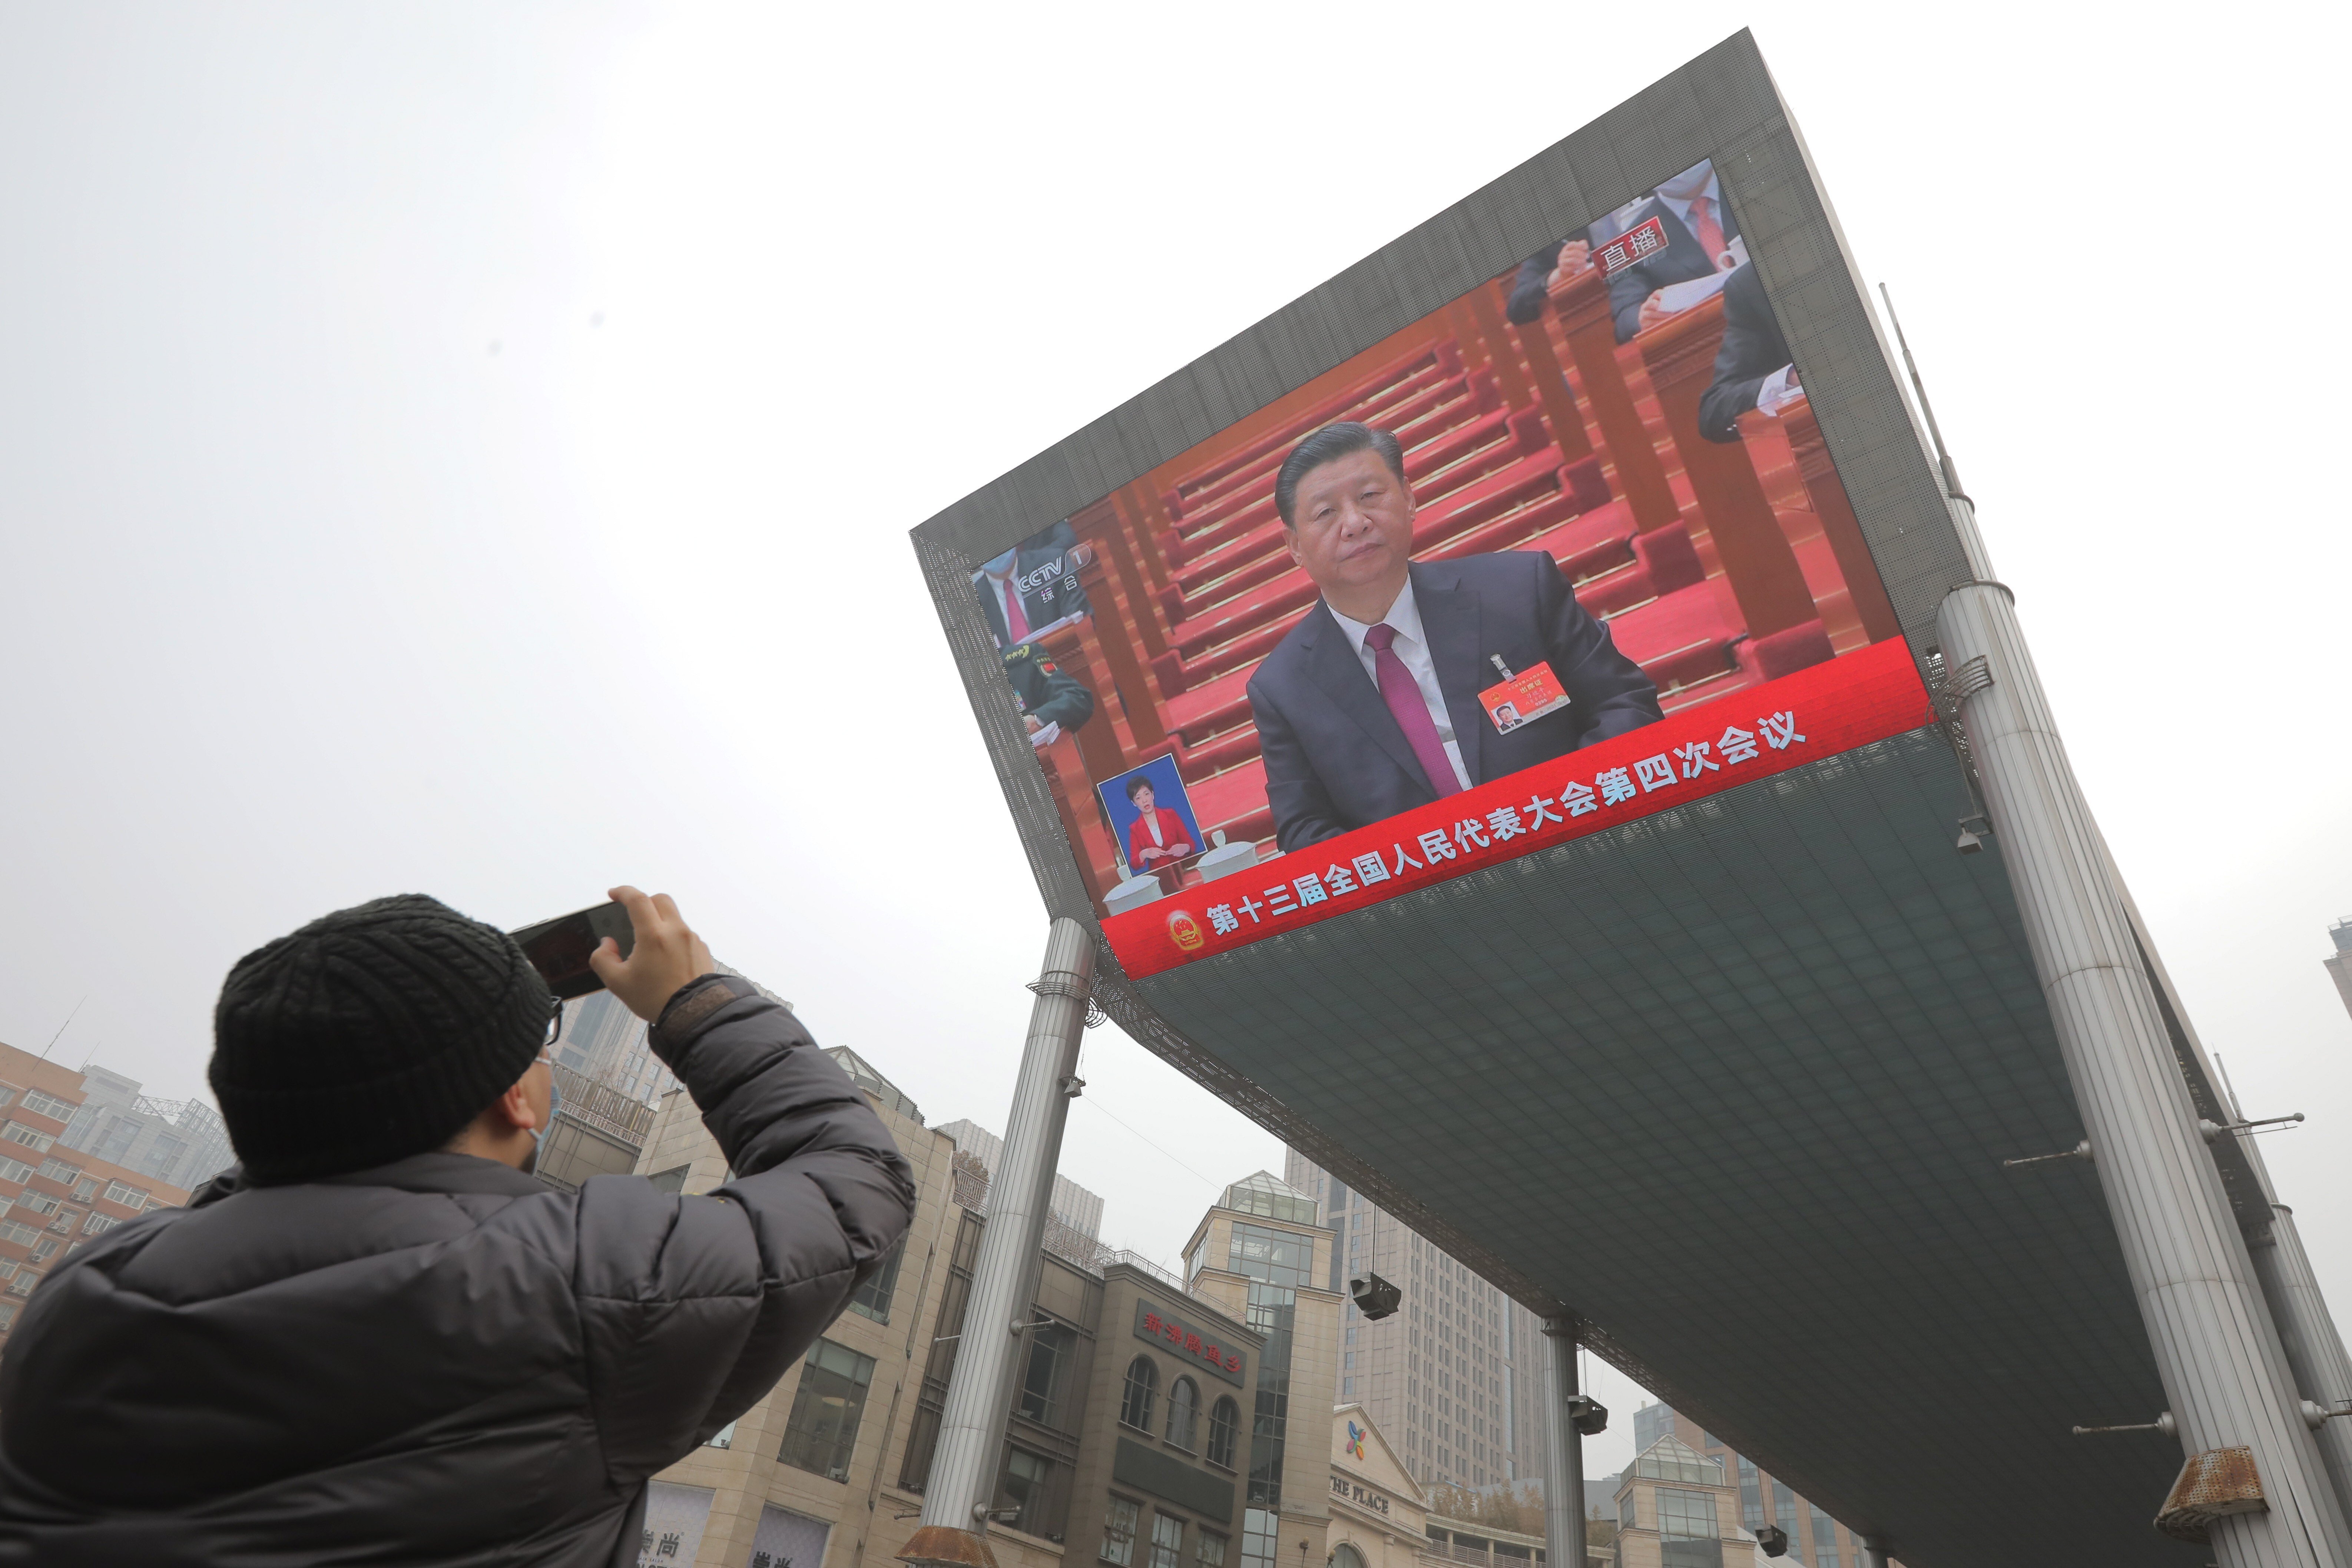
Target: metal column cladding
[1712, 997]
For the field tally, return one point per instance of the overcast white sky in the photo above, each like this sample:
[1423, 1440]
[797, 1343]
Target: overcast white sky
[471, 449]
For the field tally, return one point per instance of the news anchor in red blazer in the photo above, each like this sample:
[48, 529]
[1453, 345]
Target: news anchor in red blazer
[1370, 705]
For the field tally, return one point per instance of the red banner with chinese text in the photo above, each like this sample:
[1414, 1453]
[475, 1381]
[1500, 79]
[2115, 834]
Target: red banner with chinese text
[1868, 695]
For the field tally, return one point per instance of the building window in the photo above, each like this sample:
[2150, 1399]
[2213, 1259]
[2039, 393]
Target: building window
[873, 1297]
[823, 1427]
[1167, 1541]
[1021, 1492]
[1225, 1426]
[21, 1234]
[1046, 1384]
[17, 1132]
[1752, 1496]
[1208, 1549]
[14, 1171]
[99, 1224]
[1784, 1508]
[1346, 1556]
[1825, 1549]
[1184, 1414]
[1119, 1531]
[1135, 1403]
[48, 1105]
[1275, 1256]
[43, 1248]
[1685, 1516]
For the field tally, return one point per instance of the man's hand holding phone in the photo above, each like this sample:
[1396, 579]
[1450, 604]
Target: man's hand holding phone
[666, 956]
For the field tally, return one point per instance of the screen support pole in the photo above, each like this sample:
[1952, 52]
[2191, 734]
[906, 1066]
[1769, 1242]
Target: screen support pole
[962, 1481]
[1564, 1457]
[2217, 1348]
[2314, 1351]
[1874, 1551]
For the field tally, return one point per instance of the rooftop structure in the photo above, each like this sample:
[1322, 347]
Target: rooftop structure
[182, 1143]
[1075, 1207]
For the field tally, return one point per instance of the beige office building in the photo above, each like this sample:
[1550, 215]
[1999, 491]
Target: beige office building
[1676, 1510]
[1815, 1540]
[1456, 1374]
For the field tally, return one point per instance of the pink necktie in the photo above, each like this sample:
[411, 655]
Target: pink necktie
[1403, 694]
[1709, 232]
[1015, 623]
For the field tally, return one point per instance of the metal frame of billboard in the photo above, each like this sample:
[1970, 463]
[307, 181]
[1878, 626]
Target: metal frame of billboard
[1722, 105]
[1740, 939]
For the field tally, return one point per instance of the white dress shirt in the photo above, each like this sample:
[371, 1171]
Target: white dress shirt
[1776, 394]
[1411, 647]
[1681, 205]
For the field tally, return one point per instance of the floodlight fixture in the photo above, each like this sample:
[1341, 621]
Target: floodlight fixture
[1773, 1539]
[1586, 1414]
[1375, 1297]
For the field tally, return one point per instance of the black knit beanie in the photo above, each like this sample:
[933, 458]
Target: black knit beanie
[369, 1035]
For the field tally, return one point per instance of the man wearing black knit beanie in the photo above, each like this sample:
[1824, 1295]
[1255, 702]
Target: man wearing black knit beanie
[376, 1338]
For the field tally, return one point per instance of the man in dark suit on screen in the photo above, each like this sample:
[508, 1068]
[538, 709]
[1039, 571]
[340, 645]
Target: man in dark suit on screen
[1369, 704]
[1753, 369]
[1699, 231]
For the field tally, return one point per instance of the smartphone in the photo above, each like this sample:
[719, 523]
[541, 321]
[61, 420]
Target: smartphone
[559, 948]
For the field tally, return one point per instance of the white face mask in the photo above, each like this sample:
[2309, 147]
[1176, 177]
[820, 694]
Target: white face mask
[539, 1133]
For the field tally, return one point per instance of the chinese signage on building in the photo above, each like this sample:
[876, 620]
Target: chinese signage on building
[1179, 1338]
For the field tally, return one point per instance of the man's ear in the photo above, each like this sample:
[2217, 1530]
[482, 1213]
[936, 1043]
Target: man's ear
[1290, 542]
[513, 1107]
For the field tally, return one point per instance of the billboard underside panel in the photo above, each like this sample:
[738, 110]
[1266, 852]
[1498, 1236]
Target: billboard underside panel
[1737, 1082]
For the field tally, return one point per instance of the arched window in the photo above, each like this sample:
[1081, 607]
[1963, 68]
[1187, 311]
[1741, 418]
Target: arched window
[1346, 1556]
[1142, 1382]
[1184, 1414]
[1224, 1427]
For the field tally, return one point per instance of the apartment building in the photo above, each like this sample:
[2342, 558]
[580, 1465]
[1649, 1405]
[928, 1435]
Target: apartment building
[54, 1198]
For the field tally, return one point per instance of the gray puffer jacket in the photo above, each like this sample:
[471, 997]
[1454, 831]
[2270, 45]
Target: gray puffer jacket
[441, 1360]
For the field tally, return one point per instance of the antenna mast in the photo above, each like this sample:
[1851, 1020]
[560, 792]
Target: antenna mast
[1943, 459]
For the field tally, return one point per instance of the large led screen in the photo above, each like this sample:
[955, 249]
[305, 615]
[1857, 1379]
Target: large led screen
[1565, 553]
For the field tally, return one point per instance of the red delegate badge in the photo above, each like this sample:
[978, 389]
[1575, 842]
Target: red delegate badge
[1522, 699]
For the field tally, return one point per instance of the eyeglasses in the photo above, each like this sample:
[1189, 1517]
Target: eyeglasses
[554, 1026]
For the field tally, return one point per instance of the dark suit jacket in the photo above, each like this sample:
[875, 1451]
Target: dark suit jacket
[1753, 349]
[1682, 260]
[1045, 578]
[1335, 758]
[1531, 288]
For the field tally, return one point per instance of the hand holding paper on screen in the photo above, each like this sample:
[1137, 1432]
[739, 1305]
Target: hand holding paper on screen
[1675, 298]
[1780, 390]
[1575, 257]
